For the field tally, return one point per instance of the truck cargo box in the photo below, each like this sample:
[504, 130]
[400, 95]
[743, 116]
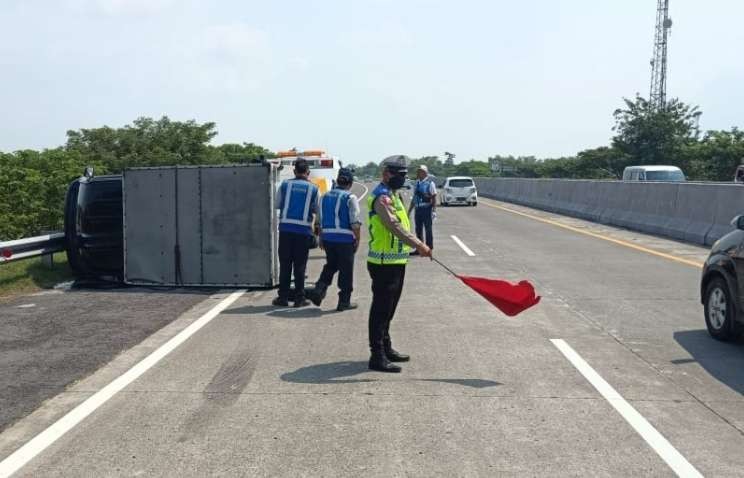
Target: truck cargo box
[200, 226]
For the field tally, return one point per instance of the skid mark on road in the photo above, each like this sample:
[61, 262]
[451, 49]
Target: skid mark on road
[655, 440]
[619, 242]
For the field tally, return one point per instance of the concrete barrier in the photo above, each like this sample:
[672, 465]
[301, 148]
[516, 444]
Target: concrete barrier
[693, 212]
[729, 204]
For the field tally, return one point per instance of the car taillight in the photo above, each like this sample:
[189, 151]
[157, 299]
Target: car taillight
[7, 253]
[326, 163]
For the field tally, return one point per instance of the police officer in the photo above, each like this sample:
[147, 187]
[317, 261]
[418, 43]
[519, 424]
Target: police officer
[340, 226]
[297, 199]
[425, 202]
[389, 246]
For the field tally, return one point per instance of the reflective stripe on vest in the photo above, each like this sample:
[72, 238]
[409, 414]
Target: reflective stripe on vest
[297, 199]
[335, 218]
[384, 247]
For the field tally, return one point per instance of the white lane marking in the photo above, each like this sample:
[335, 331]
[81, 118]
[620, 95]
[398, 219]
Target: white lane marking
[656, 440]
[40, 442]
[366, 190]
[463, 246]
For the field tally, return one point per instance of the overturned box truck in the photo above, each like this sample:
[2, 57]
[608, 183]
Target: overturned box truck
[175, 226]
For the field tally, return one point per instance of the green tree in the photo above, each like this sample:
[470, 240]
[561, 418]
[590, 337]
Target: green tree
[646, 135]
[232, 153]
[716, 156]
[146, 142]
[33, 183]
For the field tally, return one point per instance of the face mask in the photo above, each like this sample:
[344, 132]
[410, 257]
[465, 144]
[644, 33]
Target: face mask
[397, 181]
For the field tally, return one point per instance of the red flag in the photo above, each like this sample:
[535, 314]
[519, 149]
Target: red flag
[511, 299]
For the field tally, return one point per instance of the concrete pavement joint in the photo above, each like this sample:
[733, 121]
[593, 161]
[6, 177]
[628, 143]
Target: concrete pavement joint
[383, 394]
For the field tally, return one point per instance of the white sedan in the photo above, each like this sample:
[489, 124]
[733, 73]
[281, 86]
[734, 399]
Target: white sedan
[459, 190]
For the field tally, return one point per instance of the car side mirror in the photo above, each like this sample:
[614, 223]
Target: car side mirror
[738, 222]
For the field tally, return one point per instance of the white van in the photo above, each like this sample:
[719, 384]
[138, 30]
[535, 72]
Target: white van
[653, 173]
[459, 190]
[739, 175]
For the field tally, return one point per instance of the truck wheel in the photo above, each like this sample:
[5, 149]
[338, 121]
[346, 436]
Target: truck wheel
[720, 311]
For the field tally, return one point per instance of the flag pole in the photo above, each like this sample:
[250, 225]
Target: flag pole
[445, 267]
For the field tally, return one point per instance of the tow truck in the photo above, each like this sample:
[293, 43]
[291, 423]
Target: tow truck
[323, 168]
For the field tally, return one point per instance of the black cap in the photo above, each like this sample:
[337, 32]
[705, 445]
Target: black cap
[301, 166]
[345, 174]
[398, 163]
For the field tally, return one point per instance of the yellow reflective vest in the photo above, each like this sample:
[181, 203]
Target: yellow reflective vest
[384, 247]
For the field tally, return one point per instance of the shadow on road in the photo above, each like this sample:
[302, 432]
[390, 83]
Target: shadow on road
[338, 373]
[723, 360]
[283, 312]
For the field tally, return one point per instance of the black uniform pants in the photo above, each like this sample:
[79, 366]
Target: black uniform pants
[387, 285]
[339, 258]
[424, 220]
[293, 252]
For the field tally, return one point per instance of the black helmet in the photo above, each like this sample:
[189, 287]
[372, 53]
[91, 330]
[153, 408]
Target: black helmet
[397, 163]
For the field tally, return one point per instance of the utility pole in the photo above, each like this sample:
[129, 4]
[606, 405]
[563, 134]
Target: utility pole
[657, 96]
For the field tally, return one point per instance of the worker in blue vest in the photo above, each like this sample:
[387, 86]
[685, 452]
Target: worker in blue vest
[297, 201]
[340, 231]
[425, 202]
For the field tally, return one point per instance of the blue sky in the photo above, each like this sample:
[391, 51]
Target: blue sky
[362, 79]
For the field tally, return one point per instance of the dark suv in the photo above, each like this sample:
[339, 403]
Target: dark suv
[94, 228]
[722, 286]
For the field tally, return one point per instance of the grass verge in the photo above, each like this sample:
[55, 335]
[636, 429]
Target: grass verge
[30, 275]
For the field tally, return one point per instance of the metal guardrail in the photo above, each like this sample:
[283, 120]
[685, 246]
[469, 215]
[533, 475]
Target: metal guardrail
[31, 247]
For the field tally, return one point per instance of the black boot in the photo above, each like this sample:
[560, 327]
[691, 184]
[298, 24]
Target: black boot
[280, 302]
[342, 306]
[318, 293]
[393, 355]
[380, 363]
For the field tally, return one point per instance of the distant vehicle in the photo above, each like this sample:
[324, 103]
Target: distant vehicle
[739, 176]
[653, 173]
[722, 285]
[323, 168]
[459, 190]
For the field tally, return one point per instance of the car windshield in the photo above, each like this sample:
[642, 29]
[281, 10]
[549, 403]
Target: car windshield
[460, 183]
[664, 176]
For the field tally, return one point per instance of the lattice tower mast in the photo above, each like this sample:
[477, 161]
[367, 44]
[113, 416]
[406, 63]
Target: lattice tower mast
[659, 61]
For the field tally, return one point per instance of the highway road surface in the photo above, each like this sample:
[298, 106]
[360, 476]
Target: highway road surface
[612, 374]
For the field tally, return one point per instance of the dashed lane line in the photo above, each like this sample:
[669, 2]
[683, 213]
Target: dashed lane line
[463, 246]
[655, 440]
